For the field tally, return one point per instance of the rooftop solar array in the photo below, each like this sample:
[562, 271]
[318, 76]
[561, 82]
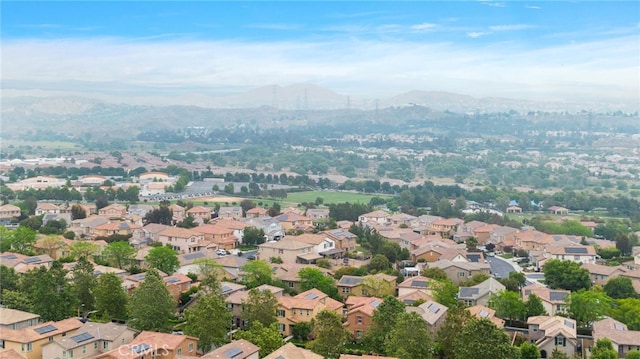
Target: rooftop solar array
[433, 308]
[311, 296]
[195, 255]
[172, 280]
[140, 276]
[484, 314]
[473, 257]
[226, 288]
[233, 352]
[618, 326]
[468, 292]
[350, 280]
[569, 324]
[45, 329]
[32, 260]
[375, 303]
[576, 250]
[140, 348]
[9, 256]
[419, 283]
[557, 296]
[82, 337]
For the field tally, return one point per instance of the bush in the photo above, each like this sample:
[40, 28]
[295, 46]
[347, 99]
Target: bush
[323, 263]
[69, 235]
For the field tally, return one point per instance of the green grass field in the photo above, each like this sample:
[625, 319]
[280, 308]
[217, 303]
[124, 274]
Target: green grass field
[330, 197]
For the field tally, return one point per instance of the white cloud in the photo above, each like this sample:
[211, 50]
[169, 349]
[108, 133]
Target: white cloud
[274, 26]
[533, 7]
[424, 26]
[510, 27]
[476, 34]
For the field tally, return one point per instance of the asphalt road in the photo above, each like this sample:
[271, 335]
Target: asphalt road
[500, 268]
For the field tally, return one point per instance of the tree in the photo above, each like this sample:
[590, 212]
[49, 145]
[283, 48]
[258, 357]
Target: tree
[119, 254]
[151, 304]
[161, 215]
[260, 306]
[49, 292]
[587, 306]
[534, 307]
[434, 273]
[252, 236]
[163, 259]
[472, 244]
[507, 305]
[83, 249]
[329, 333]
[445, 292]
[268, 339]
[84, 283]
[481, 339]
[620, 288]
[409, 338]
[603, 350]
[456, 319]
[627, 311]
[111, 299]
[210, 271]
[623, 243]
[208, 319]
[20, 240]
[257, 273]
[566, 275]
[475, 280]
[633, 354]
[529, 351]
[558, 354]
[314, 278]
[379, 263]
[383, 321]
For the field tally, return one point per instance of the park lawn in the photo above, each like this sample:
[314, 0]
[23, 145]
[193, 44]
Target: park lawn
[331, 197]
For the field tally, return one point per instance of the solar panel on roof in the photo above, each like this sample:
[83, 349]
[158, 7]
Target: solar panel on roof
[419, 283]
[140, 348]
[557, 296]
[195, 255]
[569, 324]
[433, 308]
[233, 352]
[82, 337]
[139, 276]
[468, 292]
[576, 250]
[9, 256]
[375, 303]
[311, 296]
[484, 313]
[32, 260]
[473, 257]
[172, 280]
[45, 329]
[618, 326]
[226, 288]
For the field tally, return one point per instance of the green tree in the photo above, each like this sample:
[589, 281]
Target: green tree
[257, 273]
[83, 249]
[119, 254]
[481, 339]
[456, 319]
[49, 292]
[508, 305]
[9, 280]
[475, 279]
[633, 354]
[379, 263]
[534, 307]
[445, 292]
[434, 273]
[111, 299]
[268, 338]
[329, 333]
[472, 244]
[383, 321]
[78, 212]
[409, 338]
[314, 278]
[163, 259]
[603, 350]
[208, 319]
[529, 351]
[252, 236]
[210, 271]
[623, 243]
[20, 240]
[151, 304]
[587, 306]
[627, 311]
[15, 299]
[84, 283]
[567, 275]
[620, 288]
[558, 354]
[260, 306]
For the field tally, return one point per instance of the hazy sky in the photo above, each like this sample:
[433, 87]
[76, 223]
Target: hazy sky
[569, 50]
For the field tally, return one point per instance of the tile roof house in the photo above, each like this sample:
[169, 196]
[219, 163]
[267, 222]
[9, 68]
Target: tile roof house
[235, 303]
[553, 300]
[256, 212]
[117, 227]
[549, 332]
[600, 274]
[230, 212]
[413, 284]
[47, 208]
[432, 312]
[371, 285]
[84, 227]
[288, 273]
[289, 250]
[154, 345]
[575, 253]
[113, 211]
[22, 263]
[343, 239]
[29, 341]
[445, 228]
[483, 312]
[201, 214]
[461, 271]
[359, 313]
[290, 351]
[479, 294]
[303, 308]
[436, 250]
[237, 349]
[183, 240]
[8, 212]
[532, 240]
[224, 237]
[317, 214]
[272, 228]
[623, 339]
[13, 319]
[89, 340]
[375, 217]
[413, 297]
[294, 221]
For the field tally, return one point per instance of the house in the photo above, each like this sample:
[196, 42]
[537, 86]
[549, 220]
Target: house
[318, 214]
[377, 285]
[233, 224]
[461, 271]
[140, 209]
[22, 263]
[413, 284]
[294, 221]
[235, 303]
[98, 270]
[272, 228]
[402, 219]
[303, 308]
[290, 351]
[375, 218]
[323, 245]
[432, 312]
[200, 214]
[550, 332]
[445, 228]
[414, 297]
[514, 210]
[85, 227]
[29, 341]
[13, 319]
[237, 349]
[224, 237]
[177, 283]
[623, 339]
[230, 212]
[483, 312]
[147, 234]
[575, 253]
[189, 261]
[359, 313]
[553, 300]
[113, 211]
[38, 182]
[600, 274]
[119, 227]
[183, 240]
[343, 239]
[231, 266]
[47, 208]
[558, 210]
[437, 250]
[290, 251]
[288, 273]
[154, 345]
[88, 341]
[256, 212]
[9, 212]
[532, 240]
[54, 246]
[178, 213]
[479, 294]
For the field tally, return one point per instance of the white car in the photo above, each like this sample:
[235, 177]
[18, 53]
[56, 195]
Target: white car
[221, 252]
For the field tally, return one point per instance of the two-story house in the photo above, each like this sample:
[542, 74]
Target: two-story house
[479, 294]
[235, 303]
[47, 208]
[88, 341]
[183, 240]
[318, 214]
[234, 212]
[377, 285]
[303, 308]
[289, 250]
[432, 312]
[9, 212]
[445, 228]
[22, 263]
[113, 211]
[272, 228]
[375, 218]
[600, 274]
[237, 349]
[116, 227]
[294, 221]
[154, 345]
[458, 271]
[256, 212]
[29, 341]
[359, 313]
[550, 332]
[13, 319]
[532, 240]
[222, 236]
[344, 240]
[200, 214]
[575, 253]
[553, 300]
[623, 339]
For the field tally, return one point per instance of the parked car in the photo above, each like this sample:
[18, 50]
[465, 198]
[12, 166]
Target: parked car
[221, 252]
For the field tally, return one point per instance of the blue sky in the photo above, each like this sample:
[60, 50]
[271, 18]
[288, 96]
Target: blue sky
[578, 51]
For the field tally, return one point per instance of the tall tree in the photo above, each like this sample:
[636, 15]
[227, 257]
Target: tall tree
[620, 288]
[529, 351]
[260, 306]
[456, 319]
[84, 283]
[161, 215]
[111, 299]
[21, 240]
[508, 305]
[208, 319]
[623, 243]
[83, 249]
[383, 321]
[210, 271]
[151, 304]
[558, 354]
[119, 254]
[163, 259]
[268, 339]
[481, 339]
[257, 273]
[603, 350]
[329, 333]
[587, 306]
[252, 236]
[445, 292]
[627, 311]
[534, 307]
[567, 275]
[314, 278]
[50, 292]
[409, 338]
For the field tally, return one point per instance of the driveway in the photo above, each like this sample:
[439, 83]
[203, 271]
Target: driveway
[500, 268]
